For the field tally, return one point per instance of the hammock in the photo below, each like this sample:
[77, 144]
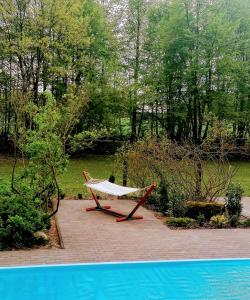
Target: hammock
[107, 187]
[110, 188]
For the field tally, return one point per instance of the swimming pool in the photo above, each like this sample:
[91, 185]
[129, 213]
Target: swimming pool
[193, 279]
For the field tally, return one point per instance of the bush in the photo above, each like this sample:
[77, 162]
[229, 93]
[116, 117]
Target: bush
[219, 221]
[234, 221]
[182, 165]
[180, 222]
[161, 199]
[19, 220]
[233, 200]
[207, 209]
[168, 201]
[201, 220]
[246, 223]
[177, 206]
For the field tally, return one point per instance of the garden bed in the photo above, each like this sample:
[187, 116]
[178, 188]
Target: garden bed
[243, 223]
[54, 235]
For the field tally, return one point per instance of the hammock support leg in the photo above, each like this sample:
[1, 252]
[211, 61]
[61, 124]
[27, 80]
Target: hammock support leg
[98, 208]
[119, 215]
[141, 202]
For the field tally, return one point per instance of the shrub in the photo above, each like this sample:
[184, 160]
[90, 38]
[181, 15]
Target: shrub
[234, 221]
[219, 221]
[19, 220]
[180, 222]
[177, 206]
[208, 209]
[246, 223]
[201, 220]
[161, 202]
[182, 165]
[168, 201]
[233, 200]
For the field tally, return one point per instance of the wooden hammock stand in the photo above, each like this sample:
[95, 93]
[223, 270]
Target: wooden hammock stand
[119, 215]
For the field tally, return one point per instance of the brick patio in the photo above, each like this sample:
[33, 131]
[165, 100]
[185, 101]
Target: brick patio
[95, 237]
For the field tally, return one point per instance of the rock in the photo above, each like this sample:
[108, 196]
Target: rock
[41, 236]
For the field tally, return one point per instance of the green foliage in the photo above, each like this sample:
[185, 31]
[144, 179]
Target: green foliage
[25, 203]
[177, 205]
[233, 200]
[200, 219]
[180, 222]
[58, 44]
[86, 138]
[161, 197]
[103, 166]
[246, 223]
[168, 201]
[43, 147]
[193, 77]
[219, 221]
[207, 209]
[144, 68]
[234, 221]
[43, 144]
[20, 218]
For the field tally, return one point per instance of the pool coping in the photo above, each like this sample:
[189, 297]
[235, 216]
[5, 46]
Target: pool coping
[127, 262]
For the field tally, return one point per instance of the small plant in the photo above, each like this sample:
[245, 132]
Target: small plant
[163, 202]
[180, 222]
[233, 200]
[171, 201]
[177, 205]
[234, 221]
[201, 220]
[219, 221]
[161, 199]
[246, 223]
[62, 195]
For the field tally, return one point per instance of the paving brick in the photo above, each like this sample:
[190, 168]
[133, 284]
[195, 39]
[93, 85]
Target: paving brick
[94, 237]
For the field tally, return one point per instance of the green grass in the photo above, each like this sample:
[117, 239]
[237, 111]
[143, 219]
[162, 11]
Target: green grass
[242, 175]
[101, 166]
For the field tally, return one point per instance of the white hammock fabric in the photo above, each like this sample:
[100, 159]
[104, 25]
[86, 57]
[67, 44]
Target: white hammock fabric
[110, 188]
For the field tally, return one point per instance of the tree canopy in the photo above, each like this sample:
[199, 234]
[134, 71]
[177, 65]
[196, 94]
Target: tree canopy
[131, 68]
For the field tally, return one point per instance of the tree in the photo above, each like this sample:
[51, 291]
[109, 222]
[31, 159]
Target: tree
[191, 77]
[51, 45]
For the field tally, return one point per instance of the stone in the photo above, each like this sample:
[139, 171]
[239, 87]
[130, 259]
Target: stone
[40, 235]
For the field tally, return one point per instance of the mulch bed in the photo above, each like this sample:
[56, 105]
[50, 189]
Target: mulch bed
[52, 233]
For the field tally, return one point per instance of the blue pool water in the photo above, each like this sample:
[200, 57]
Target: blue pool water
[197, 279]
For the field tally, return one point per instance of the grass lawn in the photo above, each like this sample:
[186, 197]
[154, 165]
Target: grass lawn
[101, 166]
